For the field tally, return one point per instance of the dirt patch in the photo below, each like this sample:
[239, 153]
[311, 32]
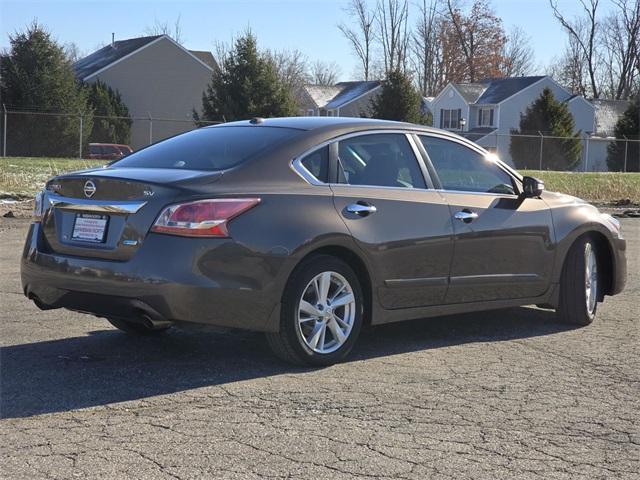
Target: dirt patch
[10, 208]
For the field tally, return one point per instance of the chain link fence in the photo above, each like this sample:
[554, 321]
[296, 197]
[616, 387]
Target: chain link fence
[45, 134]
[577, 154]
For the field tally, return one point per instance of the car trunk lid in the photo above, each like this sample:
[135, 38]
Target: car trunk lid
[107, 213]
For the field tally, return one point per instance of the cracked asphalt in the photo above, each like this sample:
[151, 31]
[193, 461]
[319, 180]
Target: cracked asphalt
[496, 395]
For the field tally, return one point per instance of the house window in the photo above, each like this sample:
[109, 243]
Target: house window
[310, 112]
[485, 117]
[450, 119]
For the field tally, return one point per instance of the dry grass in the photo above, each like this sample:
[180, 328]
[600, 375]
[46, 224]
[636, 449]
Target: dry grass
[593, 187]
[22, 177]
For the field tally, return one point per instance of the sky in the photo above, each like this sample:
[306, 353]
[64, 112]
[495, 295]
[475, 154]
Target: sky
[307, 25]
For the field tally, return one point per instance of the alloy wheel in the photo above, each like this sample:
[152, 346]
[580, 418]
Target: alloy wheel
[590, 277]
[326, 312]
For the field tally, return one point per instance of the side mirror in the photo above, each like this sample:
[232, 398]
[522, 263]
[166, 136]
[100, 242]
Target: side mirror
[532, 187]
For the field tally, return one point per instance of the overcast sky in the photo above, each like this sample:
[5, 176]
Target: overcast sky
[306, 25]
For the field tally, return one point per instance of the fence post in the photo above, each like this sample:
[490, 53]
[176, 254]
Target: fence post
[586, 152]
[80, 143]
[150, 129]
[4, 132]
[541, 146]
[626, 152]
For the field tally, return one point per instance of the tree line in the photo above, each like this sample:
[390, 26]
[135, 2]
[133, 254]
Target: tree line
[457, 41]
[37, 78]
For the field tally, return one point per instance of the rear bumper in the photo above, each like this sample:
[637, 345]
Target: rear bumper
[217, 282]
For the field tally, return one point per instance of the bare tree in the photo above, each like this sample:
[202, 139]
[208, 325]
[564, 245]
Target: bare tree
[620, 38]
[570, 69]
[291, 67]
[583, 32]
[361, 35]
[518, 54]
[427, 49]
[73, 52]
[393, 35]
[164, 28]
[324, 73]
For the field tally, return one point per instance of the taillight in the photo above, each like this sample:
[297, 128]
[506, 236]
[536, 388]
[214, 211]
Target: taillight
[202, 218]
[38, 207]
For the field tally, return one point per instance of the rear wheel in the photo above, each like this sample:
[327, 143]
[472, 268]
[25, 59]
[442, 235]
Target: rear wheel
[137, 328]
[321, 313]
[579, 284]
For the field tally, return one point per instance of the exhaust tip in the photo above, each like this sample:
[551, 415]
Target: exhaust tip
[153, 324]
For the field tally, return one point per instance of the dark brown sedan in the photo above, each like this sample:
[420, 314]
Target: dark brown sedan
[308, 228]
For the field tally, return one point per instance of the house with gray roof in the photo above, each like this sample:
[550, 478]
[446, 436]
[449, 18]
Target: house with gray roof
[157, 77]
[487, 111]
[344, 99]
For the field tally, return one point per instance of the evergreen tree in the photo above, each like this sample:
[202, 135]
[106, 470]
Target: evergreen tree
[398, 100]
[37, 76]
[106, 102]
[628, 126]
[247, 85]
[552, 118]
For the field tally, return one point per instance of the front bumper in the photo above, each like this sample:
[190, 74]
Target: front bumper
[217, 282]
[619, 280]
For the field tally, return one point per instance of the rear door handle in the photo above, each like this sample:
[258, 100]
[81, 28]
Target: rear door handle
[466, 216]
[361, 208]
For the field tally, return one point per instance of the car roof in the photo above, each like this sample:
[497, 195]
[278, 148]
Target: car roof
[313, 123]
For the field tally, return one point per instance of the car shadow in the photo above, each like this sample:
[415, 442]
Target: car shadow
[108, 366]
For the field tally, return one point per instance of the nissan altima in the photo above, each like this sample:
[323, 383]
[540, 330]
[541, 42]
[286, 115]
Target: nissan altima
[309, 228]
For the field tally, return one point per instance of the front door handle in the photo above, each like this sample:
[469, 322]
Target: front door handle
[361, 208]
[466, 216]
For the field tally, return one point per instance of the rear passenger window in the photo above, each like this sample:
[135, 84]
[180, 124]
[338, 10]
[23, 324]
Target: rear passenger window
[384, 160]
[463, 169]
[317, 163]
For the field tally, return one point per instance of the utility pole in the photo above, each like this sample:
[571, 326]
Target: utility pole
[4, 132]
[150, 129]
[80, 147]
[626, 151]
[541, 146]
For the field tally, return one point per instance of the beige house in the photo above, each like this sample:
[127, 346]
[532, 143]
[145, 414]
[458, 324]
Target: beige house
[157, 78]
[344, 99]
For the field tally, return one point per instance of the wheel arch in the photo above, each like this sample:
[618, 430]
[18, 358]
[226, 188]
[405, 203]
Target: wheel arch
[605, 256]
[358, 265]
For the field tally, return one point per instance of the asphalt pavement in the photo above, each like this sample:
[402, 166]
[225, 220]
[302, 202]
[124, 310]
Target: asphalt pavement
[497, 395]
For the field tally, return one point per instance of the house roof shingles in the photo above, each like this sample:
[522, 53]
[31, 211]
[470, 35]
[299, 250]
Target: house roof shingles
[607, 114]
[492, 91]
[500, 89]
[477, 133]
[350, 91]
[470, 91]
[322, 94]
[205, 57]
[107, 55]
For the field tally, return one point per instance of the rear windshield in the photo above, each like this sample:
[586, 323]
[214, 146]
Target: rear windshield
[215, 148]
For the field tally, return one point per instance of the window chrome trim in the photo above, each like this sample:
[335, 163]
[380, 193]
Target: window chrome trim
[102, 206]
[297, 166]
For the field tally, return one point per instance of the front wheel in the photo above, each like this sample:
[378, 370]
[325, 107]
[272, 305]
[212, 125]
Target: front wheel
[579, 284]
[321, 313]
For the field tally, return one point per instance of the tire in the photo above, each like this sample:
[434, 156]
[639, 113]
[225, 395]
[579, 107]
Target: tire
[579, 284]
[136, 328]
[306, 313]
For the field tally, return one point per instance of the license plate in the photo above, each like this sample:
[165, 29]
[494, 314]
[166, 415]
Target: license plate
[89, 227]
